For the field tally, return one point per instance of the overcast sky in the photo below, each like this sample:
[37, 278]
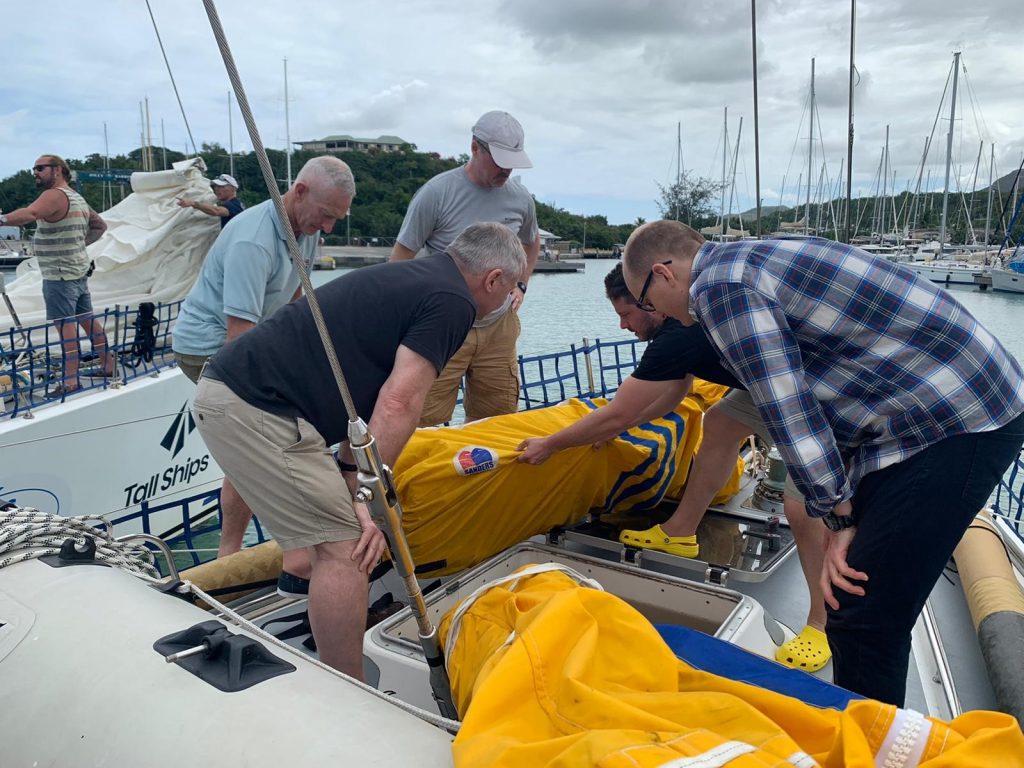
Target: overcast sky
[599, 85]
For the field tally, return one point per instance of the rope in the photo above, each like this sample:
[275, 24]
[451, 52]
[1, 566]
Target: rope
[275, 194]
[171, 75]
[27, 534]
[452, 726]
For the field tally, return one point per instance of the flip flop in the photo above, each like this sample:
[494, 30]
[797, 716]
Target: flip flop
[656, 539]
[808, 651]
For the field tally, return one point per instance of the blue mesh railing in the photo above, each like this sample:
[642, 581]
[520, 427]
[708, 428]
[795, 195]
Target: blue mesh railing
[33, 359]
[1009, 500]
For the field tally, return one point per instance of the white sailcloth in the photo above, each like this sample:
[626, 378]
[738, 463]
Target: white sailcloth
[152, 249]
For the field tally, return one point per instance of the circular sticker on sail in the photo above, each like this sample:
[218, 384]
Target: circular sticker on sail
[474, 459]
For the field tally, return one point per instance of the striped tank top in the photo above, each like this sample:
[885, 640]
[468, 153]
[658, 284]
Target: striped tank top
[60, 245]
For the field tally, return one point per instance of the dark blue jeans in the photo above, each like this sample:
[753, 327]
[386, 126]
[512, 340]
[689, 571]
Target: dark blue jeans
[910, 517]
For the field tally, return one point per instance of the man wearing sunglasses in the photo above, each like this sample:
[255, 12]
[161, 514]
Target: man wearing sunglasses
[480, 191]
[65, 225]
[675, 354]
[895, 411]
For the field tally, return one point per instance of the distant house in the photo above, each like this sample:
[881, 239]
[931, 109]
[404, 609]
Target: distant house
[345, 143]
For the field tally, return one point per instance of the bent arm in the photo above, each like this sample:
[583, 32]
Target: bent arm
[47, 206]
[635, 402]
[401, 253]
[753, 334]
[97, 226]
[532, 252]
[400, 402]
[237, 326]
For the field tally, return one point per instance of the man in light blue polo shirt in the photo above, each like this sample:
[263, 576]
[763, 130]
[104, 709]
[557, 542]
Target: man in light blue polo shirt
[247, 276]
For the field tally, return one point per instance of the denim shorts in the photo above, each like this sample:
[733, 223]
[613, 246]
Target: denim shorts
[67, 298]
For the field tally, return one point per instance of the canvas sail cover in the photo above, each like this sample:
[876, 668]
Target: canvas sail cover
[466, 498]
[547, 670]
[152, 249]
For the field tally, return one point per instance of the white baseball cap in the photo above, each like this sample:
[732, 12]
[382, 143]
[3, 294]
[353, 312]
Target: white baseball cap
[225, 179]
[503, 136]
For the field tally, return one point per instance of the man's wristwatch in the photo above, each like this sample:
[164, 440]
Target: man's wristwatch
[838, 523]
[3, 220]
[522, 287]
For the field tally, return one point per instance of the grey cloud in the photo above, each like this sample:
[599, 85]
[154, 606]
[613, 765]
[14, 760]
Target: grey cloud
[382, 111]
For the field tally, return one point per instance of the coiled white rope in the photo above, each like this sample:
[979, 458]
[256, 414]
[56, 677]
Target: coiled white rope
[27, 534]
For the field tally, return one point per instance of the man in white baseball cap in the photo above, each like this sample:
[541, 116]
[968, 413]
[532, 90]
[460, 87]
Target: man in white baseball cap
[225, 188]
[480, 191]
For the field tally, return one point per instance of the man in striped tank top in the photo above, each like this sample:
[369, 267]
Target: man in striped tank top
[65, 225]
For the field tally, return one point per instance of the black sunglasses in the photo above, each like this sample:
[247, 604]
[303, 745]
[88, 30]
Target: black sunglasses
[641, 300]
[39, 168]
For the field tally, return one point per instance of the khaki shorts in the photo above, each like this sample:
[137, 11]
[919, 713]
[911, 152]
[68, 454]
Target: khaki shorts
[191, 365]
[280, 466]
[739, 406]
[488, 361]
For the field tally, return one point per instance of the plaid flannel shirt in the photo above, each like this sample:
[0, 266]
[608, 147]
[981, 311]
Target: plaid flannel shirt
[854, 362]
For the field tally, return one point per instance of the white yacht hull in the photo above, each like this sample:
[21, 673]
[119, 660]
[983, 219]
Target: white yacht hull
[948, 274]
[111, 452]
[1007, 280]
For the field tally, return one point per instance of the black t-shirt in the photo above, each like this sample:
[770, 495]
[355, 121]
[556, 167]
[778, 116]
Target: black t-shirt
[678, 350]
[235, 207]
[280, 365]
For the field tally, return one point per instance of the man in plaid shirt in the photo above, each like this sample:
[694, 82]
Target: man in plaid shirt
[895, 411]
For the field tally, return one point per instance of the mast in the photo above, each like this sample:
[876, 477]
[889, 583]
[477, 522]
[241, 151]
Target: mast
[287, 129]
[142, 137]
[163, 144]
[810, 156]
[725, 153]
[949, 152]
[231, 140]
[849, 146]
[735, 160]
[149, 137]
[108, 193]
[679, 164]
[757, 146]
[991, 181]
[885, 180]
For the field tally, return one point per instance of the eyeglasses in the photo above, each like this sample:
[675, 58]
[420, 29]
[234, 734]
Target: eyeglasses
[641, 300]
[482, 144]
[39, 168]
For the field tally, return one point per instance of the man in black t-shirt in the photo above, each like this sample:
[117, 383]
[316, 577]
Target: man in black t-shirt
[675, 354]
[268, 407]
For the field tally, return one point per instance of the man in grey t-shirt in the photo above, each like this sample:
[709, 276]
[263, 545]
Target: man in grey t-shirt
[480, 191]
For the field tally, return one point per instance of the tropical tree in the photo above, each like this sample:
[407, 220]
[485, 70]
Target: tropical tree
[689, 199]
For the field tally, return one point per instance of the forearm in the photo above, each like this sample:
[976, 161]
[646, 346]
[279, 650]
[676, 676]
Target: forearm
[20, 217]
[209, 209]
[391, 425]
[237, 326]
[597, 426]
[532, 252]
[400, 253]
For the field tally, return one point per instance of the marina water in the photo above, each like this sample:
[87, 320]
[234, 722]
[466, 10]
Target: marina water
[564, 308]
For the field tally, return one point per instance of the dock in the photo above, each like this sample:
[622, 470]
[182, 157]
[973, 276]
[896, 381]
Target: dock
[354, 257]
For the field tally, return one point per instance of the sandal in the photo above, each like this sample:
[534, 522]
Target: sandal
[656, 539]
[61, 390]
[808, 651]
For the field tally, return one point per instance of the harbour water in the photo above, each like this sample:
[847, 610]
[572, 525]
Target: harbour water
[563, 309]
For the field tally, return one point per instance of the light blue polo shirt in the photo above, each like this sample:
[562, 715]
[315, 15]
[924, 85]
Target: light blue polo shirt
[247, 274]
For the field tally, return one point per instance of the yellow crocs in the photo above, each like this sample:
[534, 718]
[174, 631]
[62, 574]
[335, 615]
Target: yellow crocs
[656, 539]
[808, 651]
